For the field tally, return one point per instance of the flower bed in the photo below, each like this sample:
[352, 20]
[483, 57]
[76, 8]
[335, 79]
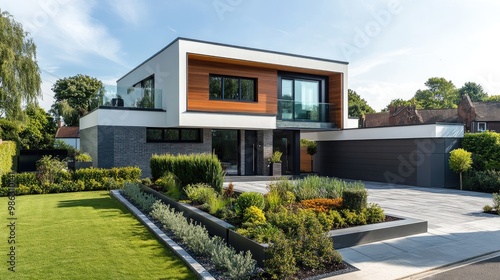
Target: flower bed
[290, 213]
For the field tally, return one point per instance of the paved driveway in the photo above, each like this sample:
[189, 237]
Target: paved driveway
[458, 230]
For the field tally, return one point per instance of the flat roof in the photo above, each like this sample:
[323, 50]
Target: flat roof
[231, 46]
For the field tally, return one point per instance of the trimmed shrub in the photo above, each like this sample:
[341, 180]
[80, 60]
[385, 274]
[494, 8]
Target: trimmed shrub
[200, 193]
[354, 199]
[190, 169]
[374, 213]
[98, 178]
[8, 151]
[83, 157]
[321, 204]
[280, 261]
[485, 149]
[496, 201]
[253, 216]
[482, 181]
[353, 218]
[338, 220]
[248, 199]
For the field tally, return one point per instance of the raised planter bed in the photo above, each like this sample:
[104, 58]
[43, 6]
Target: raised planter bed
[342, 238]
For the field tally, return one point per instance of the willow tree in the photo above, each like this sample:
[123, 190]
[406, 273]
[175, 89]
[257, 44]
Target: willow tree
[19, 72]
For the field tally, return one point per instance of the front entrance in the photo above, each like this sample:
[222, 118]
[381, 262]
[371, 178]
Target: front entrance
[250, 152]
[226, 145]
[288, 142]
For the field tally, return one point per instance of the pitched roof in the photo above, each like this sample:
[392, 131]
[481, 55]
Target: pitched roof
[68, 132]
[439, 115]
[377, 119]
[487, 111]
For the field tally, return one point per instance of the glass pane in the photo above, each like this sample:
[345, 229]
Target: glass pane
[171, 135]
[286, 103]
[247, 90]
[190, 135]
[231, 88]
[225, 146]
[215, 87]
[306, 100]
[153, 134]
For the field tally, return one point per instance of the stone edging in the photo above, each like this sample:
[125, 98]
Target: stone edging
[197, 268]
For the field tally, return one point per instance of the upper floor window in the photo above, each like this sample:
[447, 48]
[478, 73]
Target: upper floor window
[173, 135]
[302, 98]
[232, 88]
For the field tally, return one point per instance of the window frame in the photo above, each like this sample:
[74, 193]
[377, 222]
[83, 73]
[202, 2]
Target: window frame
[240, 93]
[179, 135]
[323, 94]
[485, 126]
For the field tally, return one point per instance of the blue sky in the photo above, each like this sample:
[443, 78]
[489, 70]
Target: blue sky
[392, 46]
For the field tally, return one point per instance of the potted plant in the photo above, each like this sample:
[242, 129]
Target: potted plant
[275, 163]
[82, 160]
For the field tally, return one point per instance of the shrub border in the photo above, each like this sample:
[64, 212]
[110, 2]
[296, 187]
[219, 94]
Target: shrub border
[342, 238]
[193, 265]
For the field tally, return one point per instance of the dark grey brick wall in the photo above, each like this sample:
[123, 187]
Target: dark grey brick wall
[131, 149]
[106, 146]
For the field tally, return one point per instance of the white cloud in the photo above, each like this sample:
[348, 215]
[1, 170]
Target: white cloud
[65, 28]
[131, 11]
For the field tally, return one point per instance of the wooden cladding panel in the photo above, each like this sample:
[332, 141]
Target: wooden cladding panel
[198, 88]
[335, 90]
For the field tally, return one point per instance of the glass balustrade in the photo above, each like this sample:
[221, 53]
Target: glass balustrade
[289, 110]
[132, 97]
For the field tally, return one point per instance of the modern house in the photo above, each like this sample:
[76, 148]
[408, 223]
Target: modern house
[239, 103]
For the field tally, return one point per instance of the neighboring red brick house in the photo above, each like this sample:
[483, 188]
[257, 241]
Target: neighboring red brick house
[476, 116]
[70, 135]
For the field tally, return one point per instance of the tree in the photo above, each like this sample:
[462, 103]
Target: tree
[312, 148]
[460, 161]
[39, 131]
[493, 98]
[75, 97]
[357, 105]
[440, 94]
[19, 72]
[399, 103]
[474, 91]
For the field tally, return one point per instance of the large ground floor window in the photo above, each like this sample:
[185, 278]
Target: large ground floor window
[226, 145]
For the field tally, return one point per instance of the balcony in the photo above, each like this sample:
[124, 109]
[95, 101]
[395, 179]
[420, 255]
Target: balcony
[304, 115]
[131, 97]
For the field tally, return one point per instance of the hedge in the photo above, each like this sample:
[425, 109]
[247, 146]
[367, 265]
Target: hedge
[487, 181]
[8, 151]
[189, 169]
[485, 148]
[86, 179]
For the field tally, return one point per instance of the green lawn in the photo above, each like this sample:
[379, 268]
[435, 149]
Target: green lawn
[85, 235]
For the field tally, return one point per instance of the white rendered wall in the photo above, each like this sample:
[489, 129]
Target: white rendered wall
[394, 132]
[122, 117]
